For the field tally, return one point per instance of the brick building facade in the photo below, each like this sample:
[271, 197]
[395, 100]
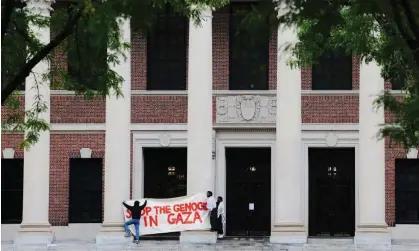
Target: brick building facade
[78, 122]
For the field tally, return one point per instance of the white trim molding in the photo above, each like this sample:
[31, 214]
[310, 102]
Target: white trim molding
[319, 139]
[145, 139]
[229, 92]
[69, 127]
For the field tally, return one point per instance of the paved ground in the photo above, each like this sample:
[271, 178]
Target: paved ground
[224, 245]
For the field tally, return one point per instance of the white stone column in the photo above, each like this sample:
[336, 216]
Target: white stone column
[371, 178]
[200, 174]
[117, 149]
[288, 223]
[35, 227]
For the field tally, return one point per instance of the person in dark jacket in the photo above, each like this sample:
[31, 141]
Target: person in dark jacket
[135, 219]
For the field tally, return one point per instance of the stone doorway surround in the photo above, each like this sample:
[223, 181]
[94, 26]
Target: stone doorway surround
[157, 138]
[328, 137]
[247, 138]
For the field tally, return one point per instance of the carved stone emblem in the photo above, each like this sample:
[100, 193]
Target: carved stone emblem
[248, 107]
[165, 139]
[331, 139]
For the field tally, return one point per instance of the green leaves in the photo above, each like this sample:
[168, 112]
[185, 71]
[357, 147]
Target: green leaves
[373, 30]
[88, 33]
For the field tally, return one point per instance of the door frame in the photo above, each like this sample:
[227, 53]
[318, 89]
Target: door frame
[321, 139]
[144, 139]
[241, 139]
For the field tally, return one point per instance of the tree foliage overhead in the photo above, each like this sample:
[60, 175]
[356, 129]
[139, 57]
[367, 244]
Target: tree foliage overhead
[386, 31]
[88, 32]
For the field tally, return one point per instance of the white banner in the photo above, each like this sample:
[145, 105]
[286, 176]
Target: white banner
[171, 215]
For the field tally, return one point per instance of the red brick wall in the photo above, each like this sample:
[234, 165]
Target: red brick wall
[393, 152]
[330, 109]
[220, 49]
[12, 140]
[159, 109]
[64, 147]
[138, 60]
[6, 113]
[77, 109]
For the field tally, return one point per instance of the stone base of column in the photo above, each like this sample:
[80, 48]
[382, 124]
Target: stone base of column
[112, 234]
[198, 237]
[288, 234]
[377, 236]
[34, 234]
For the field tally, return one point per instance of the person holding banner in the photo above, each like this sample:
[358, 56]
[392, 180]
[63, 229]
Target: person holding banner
[136, 216]
[221, 218]
[211, 206]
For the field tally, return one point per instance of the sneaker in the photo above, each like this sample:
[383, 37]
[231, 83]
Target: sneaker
[220, 236]
[127, 235]
[137, 242]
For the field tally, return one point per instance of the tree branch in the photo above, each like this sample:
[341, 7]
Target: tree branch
[24, 72]
[6, 16]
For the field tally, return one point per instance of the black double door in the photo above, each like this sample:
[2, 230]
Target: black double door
[332, 192]
[86, 190]
[164, 177]
[248, 193]
[11, 191]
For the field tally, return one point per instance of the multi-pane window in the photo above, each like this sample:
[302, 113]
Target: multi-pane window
[249, 53]
[166, 52]
[407, 191]
[333, 71]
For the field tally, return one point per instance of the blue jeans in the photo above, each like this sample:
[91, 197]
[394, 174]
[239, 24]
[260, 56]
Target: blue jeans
[136, 225]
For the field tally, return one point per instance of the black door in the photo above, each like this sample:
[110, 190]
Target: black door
[332, 192]
[11, 191]
[164, 176]
[85, 191]
[248, 196]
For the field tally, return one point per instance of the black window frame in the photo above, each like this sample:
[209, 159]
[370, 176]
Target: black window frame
[167, 63]
[327, 73]
[73, 217]
[409, 167]
[235, 79]
[16, 187]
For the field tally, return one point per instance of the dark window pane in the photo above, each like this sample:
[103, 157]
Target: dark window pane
[166, 52]
[407, 191]
[85, 202]
[397, 83]
[249, 54]
[333, 71]
[11, 191]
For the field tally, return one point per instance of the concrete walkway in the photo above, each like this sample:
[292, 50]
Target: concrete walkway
[224, 245]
